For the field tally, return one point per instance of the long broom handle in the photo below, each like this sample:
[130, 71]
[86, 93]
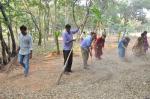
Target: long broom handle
[59, 78]
[84, 22]
[61, 74]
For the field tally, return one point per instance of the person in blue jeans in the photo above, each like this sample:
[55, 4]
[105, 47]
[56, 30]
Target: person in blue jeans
[25, 49]
[122, 47]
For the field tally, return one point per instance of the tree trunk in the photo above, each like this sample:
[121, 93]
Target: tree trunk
[4, 57]
[8, 35]
[87, 15]
[40, 33]
[66, 12]
[16, 28]
[4, 54]
[35, 22]
[45, 26]
[10, 29]
[48, 22]
[57, 44]
[56, 38]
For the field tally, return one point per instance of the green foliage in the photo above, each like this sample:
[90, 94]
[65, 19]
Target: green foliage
[108, 13]
[57, 34]
[96, 13]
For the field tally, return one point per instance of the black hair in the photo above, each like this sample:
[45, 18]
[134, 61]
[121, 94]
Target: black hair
[145, 32]
[104, 35]
[23, 27]
[92, 33]
[68, 26]
[127, 38]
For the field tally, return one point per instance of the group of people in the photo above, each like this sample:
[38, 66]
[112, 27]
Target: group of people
[93, 41]
[87, 44]
[86, 47]
[140, 47]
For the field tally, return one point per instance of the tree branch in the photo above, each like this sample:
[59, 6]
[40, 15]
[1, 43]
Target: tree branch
[74, 13]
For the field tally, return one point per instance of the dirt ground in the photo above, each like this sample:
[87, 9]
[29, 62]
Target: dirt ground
[108, 78]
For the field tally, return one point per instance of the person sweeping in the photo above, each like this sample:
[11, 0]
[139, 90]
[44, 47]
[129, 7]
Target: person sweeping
[99, 45]
[138, 48]
[67, 46]
[146, 44]
[85, 48]
[122, 46]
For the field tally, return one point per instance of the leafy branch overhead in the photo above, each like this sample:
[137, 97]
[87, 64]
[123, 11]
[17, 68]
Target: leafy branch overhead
[46, 19]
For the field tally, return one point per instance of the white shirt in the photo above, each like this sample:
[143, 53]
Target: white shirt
[25, 44]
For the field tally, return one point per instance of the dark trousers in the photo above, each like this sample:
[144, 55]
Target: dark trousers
[69, 63]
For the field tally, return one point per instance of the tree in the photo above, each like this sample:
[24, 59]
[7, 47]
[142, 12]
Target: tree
[10, 29]
[4, 48]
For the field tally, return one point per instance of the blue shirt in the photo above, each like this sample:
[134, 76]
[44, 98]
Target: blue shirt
[67, 39]
[120, 44]
[123, 43]
[86, 42]
[25, 44]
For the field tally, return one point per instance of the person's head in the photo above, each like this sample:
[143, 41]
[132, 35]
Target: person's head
[103, 36]
[68, 27]
[93, 34]
[23, 29]
[127, 39]
[142, 35]
[104, 29]
[145, 32]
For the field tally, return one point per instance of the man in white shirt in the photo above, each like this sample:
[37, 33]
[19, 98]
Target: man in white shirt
[25, 49]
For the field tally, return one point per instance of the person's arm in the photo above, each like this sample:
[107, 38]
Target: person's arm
[123, 45]
[18, 49]
[31, 46]
[65, 39]
[147, 42]
[75, 31]
[89, 44]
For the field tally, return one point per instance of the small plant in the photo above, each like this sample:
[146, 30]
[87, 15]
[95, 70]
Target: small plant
[56, 35]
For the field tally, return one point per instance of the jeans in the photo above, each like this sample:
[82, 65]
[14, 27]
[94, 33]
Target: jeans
[24, 61]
